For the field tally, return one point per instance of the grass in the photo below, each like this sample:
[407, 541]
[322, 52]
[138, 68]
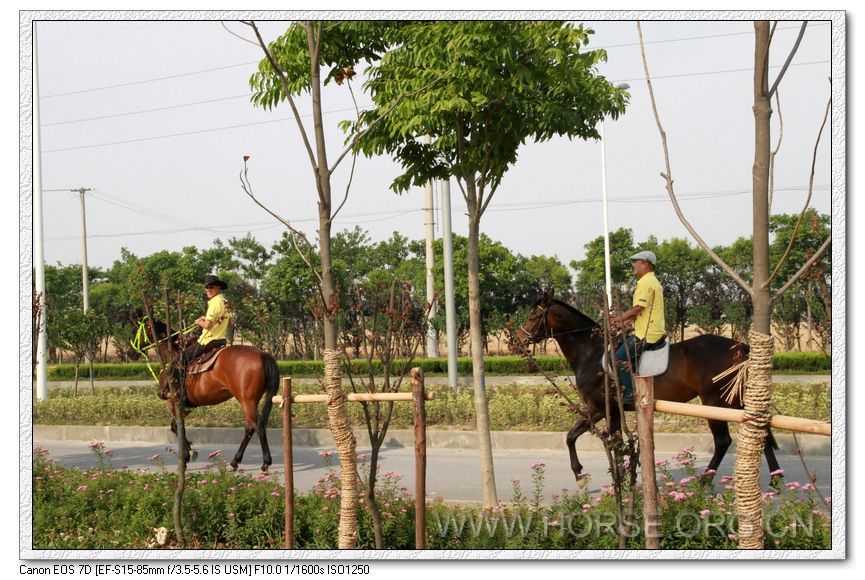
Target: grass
[512, 407]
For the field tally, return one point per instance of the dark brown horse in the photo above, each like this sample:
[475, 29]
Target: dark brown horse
[241, 372]
[692, 365]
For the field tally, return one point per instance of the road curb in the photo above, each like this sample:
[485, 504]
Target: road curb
[398, 438]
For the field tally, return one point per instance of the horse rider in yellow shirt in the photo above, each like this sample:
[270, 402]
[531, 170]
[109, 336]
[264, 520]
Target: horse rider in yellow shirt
[647, 312]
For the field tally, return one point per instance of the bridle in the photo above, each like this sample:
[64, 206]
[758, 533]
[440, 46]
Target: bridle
[535, 337]
[531, 337]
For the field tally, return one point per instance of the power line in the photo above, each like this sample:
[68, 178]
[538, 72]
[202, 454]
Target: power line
[188, 133]
[145, 81]
[718, 72]
[142, 111]
[687, 38]
[242, 125]
[228, 229]
[226, 67]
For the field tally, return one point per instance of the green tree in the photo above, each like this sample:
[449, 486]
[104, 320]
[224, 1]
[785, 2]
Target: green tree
[591, 278]
[480, 90]
[680, 268]
[293, 66]
[81, 334]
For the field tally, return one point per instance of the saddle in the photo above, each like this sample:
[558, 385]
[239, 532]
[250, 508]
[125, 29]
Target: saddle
[204, 362]
[652, 362]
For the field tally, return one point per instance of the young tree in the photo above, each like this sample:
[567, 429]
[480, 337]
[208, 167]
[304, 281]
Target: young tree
[479, 90]
[293, 65]
[758, 392]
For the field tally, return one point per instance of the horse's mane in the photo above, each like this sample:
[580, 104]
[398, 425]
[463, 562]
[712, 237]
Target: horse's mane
[584, 320]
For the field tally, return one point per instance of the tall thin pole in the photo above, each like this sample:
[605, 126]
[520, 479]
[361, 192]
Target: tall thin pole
[432, 340]
[38, 236]
[85, 285]
[450, 307]
[607, 275]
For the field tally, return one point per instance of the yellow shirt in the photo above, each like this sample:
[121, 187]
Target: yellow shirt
[219, 318]
[649, 324]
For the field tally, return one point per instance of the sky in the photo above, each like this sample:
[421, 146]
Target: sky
[154, 118]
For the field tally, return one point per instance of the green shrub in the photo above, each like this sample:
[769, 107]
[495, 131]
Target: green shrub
[804, 362]
[790, 362]
[105, 508]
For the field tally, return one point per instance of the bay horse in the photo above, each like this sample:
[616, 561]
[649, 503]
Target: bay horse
[692, 365]
[241, 372]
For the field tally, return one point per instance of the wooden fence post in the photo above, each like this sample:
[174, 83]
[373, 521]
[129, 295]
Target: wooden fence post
[644, 388]
[288, 454]
[419, 400]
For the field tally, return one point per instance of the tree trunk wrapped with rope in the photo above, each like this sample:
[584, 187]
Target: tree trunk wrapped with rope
[752, 436]
[345, 447]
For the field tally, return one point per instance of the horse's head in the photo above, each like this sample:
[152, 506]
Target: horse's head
[157, 334]
[551, 318]
[536, 328]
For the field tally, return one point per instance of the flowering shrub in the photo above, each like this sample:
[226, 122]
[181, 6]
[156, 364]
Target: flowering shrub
[108, 508]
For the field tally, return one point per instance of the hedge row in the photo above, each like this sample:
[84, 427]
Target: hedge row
[791, 362]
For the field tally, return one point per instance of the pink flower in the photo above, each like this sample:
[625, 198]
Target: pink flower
[705, 513]
[215, 454]
[777, 472]
[538, 465]
[732, 537]
[82, 488]
[274, 493]
[685, 481]
[325, 453]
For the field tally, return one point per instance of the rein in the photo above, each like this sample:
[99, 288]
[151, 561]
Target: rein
[141, 334]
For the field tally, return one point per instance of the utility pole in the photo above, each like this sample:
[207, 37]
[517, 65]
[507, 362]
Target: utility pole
[432, 339]
[38, 251]
[450, 307]
[84, 282]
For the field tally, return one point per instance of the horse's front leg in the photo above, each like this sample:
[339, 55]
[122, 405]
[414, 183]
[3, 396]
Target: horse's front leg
[582, 425]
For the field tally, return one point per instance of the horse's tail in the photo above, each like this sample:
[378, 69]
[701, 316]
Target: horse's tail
[271, 387]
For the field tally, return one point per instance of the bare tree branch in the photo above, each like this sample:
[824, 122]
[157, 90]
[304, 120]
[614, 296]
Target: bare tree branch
[795, 277]
[231, 32]
[353, 155]
[247, 188]
[807, 200]
[787, 62]
[669, 180]
[390, 108]
[775, 152]
[284, 82]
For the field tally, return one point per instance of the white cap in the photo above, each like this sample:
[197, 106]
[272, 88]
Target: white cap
[645, 255]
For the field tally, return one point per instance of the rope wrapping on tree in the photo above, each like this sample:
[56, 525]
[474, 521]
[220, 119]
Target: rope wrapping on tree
[752, 437]
[345, 447]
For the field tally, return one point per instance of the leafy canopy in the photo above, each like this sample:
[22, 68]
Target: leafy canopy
[480, 90]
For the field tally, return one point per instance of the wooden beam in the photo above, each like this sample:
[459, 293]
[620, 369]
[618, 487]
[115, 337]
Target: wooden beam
[737, 415]
[367, 397]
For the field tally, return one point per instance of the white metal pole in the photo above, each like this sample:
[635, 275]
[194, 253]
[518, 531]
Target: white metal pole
[85, 285]
[450, 307]
[38, 236]
[432, 339]
[607, 275]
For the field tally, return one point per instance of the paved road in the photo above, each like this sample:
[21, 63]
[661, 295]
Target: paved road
[451, 474]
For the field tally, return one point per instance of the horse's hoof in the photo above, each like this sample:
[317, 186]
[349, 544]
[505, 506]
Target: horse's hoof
[193, 455]
[264, 468]
[233, 466]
